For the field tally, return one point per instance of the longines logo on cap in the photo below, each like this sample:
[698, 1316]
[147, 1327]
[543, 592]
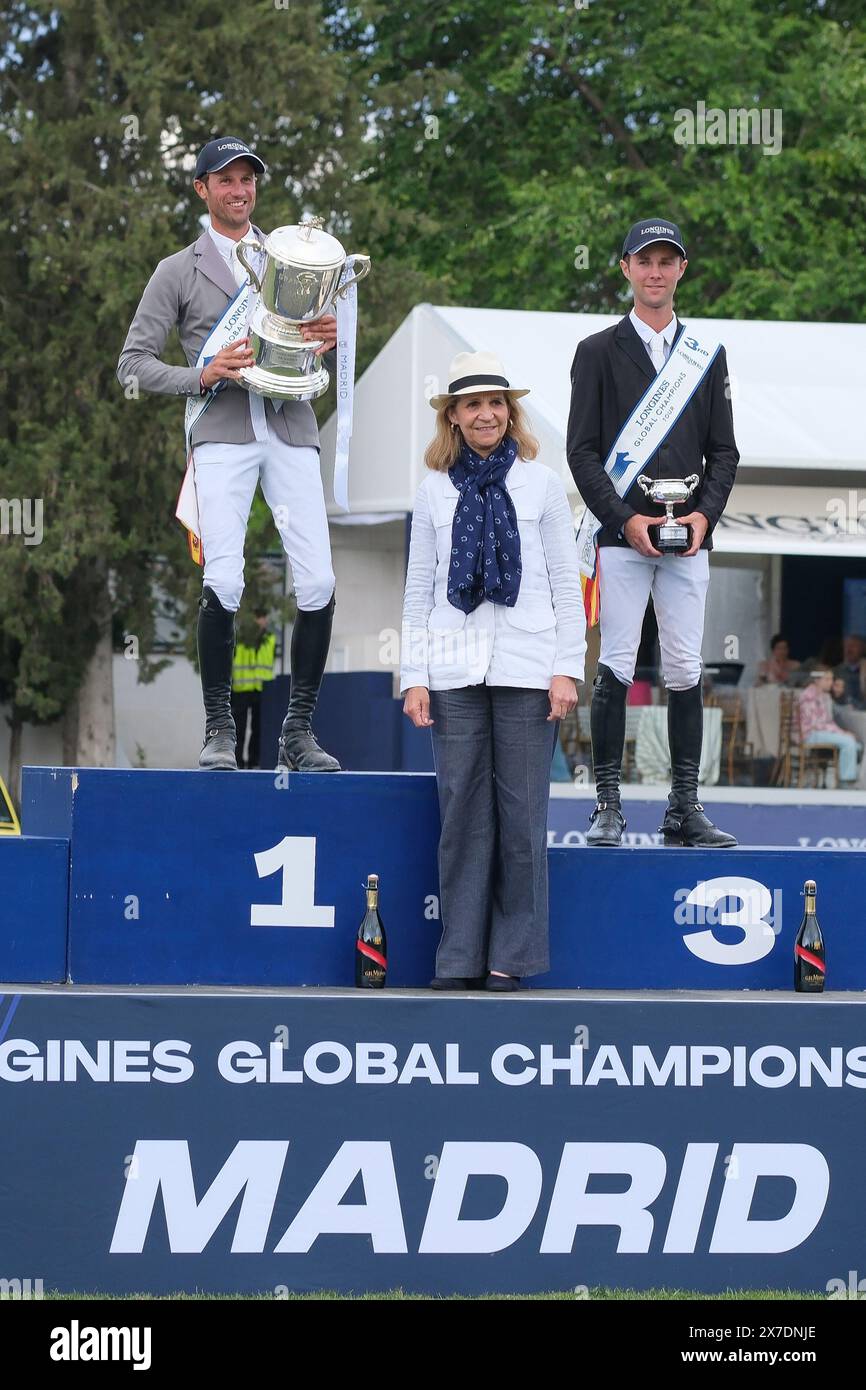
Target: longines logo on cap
[232, 145]
[661, 228]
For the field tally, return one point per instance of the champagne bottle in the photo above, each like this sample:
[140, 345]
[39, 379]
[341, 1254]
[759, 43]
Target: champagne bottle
[371, 947]
[810, 958]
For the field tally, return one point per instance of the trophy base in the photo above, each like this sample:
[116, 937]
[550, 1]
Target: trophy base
[285, 363]
[287, 388]
[672, 540]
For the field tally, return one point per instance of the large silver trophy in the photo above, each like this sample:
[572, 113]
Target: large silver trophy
[300, 282]
[672, 538]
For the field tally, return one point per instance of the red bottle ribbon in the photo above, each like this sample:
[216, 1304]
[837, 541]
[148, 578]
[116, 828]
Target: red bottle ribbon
[818, 963]
[372, 954]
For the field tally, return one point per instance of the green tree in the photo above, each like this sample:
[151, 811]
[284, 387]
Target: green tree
[102, 108]
[474, 148]
[506, 137]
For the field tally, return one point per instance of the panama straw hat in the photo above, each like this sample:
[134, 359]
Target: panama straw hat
[471, 372]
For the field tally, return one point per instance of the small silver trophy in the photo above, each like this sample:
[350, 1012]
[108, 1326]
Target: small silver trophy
[299, 282]
[672, 538]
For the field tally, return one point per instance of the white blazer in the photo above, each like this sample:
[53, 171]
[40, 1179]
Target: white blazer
[542, 636]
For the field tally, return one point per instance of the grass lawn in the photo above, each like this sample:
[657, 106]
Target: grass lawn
[611, 1295]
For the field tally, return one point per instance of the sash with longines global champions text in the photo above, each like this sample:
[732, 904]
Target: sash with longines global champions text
[641, 436]
[231, 325]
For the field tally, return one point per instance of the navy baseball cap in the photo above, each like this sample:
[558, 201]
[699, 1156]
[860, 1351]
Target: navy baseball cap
[645, 233]
[216, 154]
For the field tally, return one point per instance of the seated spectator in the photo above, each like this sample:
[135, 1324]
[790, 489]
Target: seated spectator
[815, 708]
[852, 673]
[779, 665]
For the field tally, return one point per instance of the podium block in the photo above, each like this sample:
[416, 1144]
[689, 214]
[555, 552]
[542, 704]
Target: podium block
[252, 879]
[33, 908]
[700, 919]
[247, 879]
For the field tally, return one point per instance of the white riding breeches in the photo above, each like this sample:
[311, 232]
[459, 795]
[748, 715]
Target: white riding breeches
[225, 483]
[679, 592]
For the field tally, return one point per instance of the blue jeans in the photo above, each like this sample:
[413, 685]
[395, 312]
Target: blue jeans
[848, 750]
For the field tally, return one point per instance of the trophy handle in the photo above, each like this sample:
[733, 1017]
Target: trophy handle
[254, 279]
[644, 483]
[693, 479]
[359, 263]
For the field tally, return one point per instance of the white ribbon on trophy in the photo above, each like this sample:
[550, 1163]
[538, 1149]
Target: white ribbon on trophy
[347, 326]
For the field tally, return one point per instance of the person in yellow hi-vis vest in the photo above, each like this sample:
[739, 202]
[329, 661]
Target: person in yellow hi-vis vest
[253, 666]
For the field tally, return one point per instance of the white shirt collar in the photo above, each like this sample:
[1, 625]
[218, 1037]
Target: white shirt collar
[223, 244]
[643, 330]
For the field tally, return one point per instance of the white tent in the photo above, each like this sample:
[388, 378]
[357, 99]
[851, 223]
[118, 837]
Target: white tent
[797, 390]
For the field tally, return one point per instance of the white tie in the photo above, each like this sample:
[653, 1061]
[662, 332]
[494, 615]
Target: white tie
[657, 350]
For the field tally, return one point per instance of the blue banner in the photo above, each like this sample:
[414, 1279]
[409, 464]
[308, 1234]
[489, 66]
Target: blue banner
[276, 1143]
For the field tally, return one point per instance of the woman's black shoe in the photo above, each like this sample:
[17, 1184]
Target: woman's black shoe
[451, 982]
[502, 982]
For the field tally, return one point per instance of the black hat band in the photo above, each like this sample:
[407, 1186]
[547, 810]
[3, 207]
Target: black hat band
[482, 380]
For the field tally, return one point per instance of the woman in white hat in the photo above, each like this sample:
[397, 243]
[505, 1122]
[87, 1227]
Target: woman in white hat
[493, 645]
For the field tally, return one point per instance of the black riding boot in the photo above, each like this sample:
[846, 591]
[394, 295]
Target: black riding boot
[685, 822]
[216, 645]
[311, 638]
[607, 722]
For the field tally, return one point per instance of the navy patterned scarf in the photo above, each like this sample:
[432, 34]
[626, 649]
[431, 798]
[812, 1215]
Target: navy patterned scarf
[485, 541]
